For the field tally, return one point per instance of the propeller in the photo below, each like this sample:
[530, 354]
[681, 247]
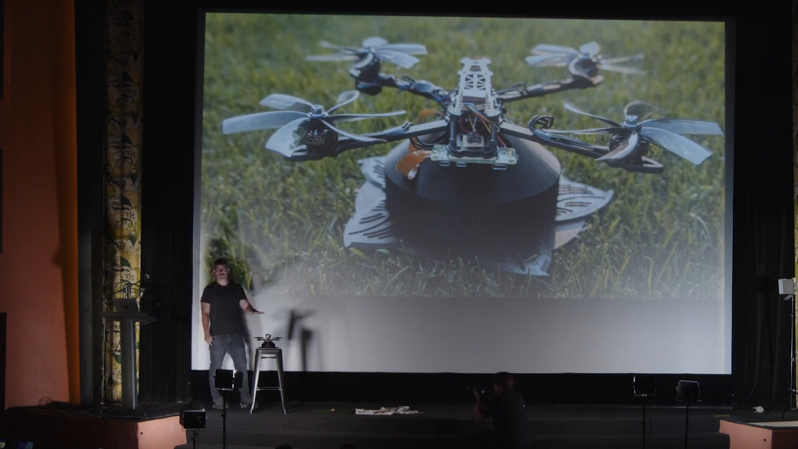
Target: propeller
[297, 118]
[371, 48]
[584, 62]
[636, 131]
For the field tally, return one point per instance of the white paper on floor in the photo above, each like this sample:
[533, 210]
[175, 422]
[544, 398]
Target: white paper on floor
[403, 410]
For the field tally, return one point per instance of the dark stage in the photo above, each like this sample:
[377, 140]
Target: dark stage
[315, 426]
[329, 425]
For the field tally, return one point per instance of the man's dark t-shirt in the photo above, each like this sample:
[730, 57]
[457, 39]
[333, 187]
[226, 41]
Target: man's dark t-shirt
[510, 419]
[227, 316]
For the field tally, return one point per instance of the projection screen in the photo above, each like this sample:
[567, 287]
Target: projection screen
[426, 255]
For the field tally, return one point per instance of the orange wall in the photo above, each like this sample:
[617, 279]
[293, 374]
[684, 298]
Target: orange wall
[38, 265]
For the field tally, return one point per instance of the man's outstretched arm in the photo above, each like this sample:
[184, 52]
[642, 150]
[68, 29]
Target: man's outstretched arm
[247, 306]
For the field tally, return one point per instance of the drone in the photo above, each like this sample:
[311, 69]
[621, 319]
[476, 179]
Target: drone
[471, 180]
[268, 341]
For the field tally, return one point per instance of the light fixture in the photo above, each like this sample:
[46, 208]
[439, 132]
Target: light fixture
[192, 417]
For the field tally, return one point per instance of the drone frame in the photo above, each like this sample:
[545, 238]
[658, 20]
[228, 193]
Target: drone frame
[370, 80]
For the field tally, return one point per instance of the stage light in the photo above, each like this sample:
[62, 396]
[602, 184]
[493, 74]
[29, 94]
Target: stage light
[789, 288]
[644, 386]
[688, 391]
[224, 381]
[192, 417]
[227, 380]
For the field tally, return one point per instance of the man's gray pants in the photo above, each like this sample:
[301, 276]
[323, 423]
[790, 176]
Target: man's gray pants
[234, 345]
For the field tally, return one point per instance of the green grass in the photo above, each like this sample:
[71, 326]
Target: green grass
[281, 223]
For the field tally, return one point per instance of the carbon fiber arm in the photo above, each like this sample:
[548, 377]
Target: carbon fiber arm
[405, 131]
[563, 142]
[540, 90]
[535, 133]
[372, 84]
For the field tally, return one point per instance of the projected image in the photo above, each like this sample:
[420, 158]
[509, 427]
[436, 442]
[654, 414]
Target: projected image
[465, 157]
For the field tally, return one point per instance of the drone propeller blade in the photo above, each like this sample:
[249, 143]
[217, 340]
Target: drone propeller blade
[549, 60]
[286, 103]
[410, 49]
[365, 60]
[573, 108]
[284, 141]
[546, 48]
[344, 99]
[640, 109]
[624, 149]
[350, 135]
[333, 57]
[326, 44]
[401, 59]
[622, 59]
[261, 120]
[357, 117]
[374, 42]
[621, 69]
[591, 48]
[680, 126]
[585, 131]
[676, 144]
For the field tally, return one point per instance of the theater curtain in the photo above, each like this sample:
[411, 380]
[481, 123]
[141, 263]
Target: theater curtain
[123, 135]
[795, 155]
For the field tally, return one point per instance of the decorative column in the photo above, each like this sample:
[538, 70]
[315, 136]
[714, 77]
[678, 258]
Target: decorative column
[123, 133]
[795, 153]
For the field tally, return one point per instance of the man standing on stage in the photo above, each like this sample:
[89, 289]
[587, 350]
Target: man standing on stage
[223, 305]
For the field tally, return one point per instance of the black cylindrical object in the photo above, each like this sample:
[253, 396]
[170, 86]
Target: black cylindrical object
[463, 205]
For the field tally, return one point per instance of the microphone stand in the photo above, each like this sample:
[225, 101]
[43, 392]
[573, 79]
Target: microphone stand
[792, 391]
[224, 419]
[644, 422]
[687, 427]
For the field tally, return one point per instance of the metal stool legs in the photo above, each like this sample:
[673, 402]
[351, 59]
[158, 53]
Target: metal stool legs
[280, 380]
[260, 354]
[255, 384]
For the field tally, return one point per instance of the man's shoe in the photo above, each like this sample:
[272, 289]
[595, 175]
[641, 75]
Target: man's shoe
[247, 405]
[218, 405]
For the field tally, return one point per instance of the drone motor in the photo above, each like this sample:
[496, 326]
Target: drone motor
[318, 138]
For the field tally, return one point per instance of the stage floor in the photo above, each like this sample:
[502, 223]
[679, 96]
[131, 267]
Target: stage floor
[317, 426]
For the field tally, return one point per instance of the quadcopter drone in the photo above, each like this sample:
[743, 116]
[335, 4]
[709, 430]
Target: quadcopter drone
[268, 341]
[472, 179]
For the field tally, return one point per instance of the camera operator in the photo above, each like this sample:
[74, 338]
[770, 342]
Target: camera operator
[507, 409]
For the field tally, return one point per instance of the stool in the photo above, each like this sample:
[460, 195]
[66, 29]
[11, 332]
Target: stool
[268, 353]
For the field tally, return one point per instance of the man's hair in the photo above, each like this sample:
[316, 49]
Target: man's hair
[347, 446]
[504, 379]
[218, 262]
